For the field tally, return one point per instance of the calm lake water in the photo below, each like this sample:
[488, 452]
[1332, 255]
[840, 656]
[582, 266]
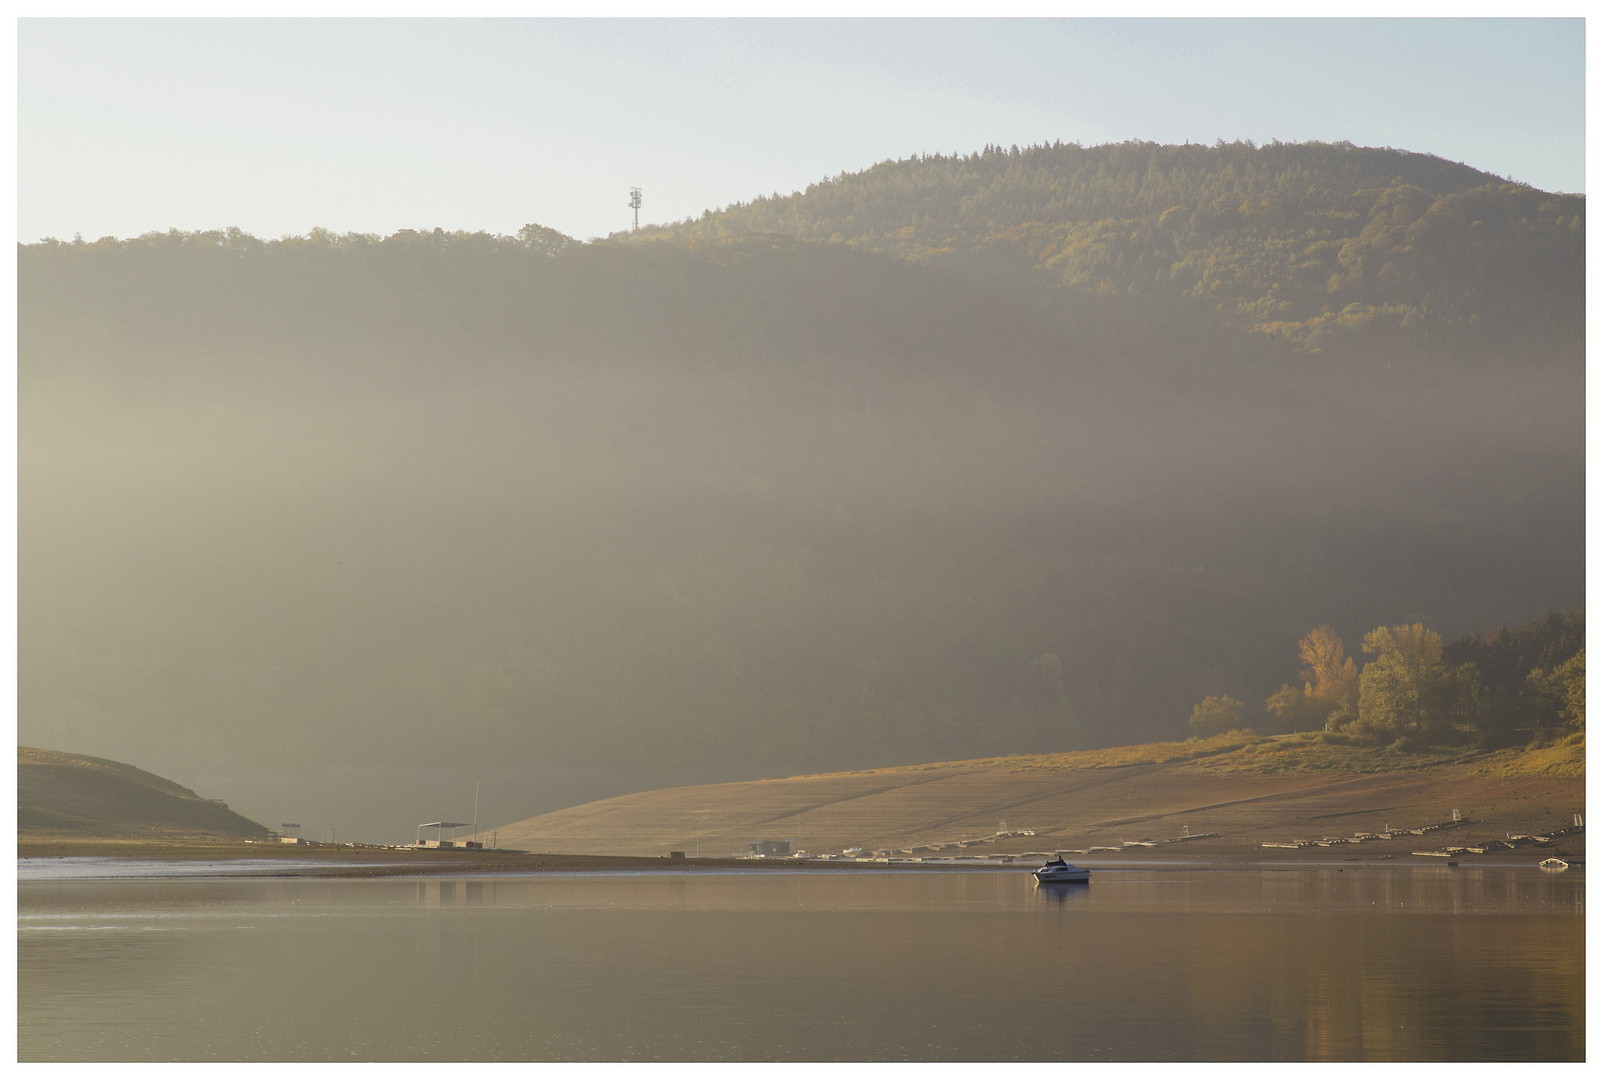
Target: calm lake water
[1364, 964]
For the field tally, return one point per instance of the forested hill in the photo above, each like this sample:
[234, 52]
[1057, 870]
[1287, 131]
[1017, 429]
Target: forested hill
[347, 517]
[1311, 243]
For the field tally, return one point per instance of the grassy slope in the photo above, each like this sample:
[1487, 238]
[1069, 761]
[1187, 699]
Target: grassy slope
[61, 794]
[1247, 788]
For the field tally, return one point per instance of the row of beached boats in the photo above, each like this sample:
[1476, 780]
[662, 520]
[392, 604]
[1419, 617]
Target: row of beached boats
[1059, 872]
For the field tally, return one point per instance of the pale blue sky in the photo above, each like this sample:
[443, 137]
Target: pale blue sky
[376, 125]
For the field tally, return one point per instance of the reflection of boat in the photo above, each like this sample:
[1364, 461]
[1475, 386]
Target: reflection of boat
[1058, 870]
[1061, 892]
[1554, 865]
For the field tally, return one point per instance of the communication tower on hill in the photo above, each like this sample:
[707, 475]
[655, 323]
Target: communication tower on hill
[634, 202]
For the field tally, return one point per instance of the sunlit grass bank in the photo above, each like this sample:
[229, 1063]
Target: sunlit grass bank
[1245, 789]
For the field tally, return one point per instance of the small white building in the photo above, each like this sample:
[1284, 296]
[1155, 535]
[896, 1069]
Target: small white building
[440, 840]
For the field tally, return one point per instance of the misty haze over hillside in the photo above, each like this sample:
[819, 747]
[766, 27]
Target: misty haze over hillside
[1017, 451]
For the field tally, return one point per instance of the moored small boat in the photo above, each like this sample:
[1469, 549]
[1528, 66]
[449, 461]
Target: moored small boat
[1058, 870]
[1555, 865]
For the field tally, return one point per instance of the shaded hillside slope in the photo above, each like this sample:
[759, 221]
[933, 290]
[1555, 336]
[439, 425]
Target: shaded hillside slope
[1247, 789]
[76, 795]
[681, 509]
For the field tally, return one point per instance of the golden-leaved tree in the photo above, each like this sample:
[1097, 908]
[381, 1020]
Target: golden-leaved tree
[1330, 684]
[1404, 693]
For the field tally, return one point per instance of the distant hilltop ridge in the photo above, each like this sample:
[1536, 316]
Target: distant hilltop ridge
[1060, 181]
[63, 794]
[1315, 246]
[1308, 243]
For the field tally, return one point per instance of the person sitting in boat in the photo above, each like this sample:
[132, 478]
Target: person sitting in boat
[1056, 862]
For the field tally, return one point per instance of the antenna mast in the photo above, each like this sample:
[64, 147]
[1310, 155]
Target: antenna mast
[634, 201]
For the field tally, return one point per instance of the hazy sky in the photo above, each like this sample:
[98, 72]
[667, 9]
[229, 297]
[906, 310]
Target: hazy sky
[376, 125]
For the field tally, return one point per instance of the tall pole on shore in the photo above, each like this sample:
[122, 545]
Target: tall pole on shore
[475, 811]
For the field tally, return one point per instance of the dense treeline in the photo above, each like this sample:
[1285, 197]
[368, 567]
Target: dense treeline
[498, 298]
[1312, 243]
[637, 513]
[1317, 245]
[1509, 686]
[1513, 683]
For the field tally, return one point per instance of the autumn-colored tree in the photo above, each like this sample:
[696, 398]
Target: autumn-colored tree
[1329, 674]
[1403, 692]
[1330, 683]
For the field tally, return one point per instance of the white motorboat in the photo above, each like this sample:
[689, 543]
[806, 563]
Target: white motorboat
[1554, 865]
[1057, 870]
